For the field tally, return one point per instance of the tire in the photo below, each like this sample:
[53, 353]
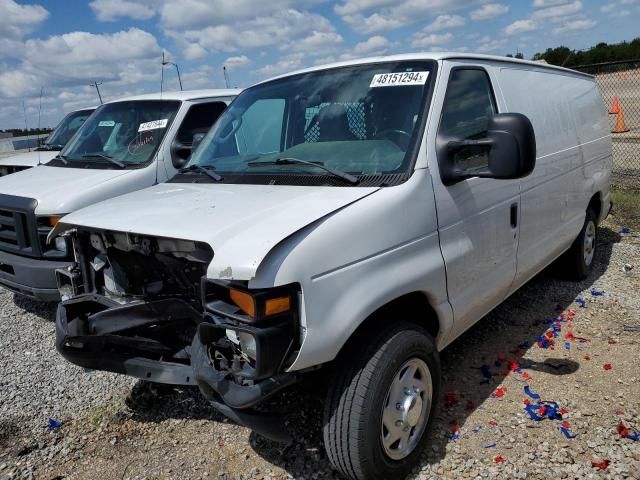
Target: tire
[353, 416]
[577, 262]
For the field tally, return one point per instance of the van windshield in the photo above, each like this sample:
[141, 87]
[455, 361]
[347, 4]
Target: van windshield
[65, 130]
[361, 120]
[119, 135]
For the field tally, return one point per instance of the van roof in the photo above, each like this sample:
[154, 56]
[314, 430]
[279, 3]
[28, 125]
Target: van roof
[183, 95]
[430, 56]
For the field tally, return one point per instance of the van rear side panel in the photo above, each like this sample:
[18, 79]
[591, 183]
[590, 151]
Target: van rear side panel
[573, 159]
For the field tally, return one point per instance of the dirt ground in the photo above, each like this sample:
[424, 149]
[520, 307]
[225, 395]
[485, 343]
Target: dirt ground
[484, 431]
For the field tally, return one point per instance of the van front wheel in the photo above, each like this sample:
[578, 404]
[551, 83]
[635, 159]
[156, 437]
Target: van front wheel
[380, 407]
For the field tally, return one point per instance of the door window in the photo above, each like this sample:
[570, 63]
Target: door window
[468, 105]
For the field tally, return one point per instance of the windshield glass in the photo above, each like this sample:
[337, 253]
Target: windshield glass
[362, 120]
[66, 128]
[125, 132]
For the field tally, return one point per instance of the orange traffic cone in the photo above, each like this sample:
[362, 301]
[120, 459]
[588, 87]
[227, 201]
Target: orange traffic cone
[620, 126]
[615, 106]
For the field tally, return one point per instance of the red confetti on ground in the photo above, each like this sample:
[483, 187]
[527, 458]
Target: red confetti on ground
[619, 412]
[220, 443]
[602, 464]
[571, 312]
[514, 366]
[607, 366]
[500, 392]
[622, 429]
[493, 422]
[502, 357]
[469, 405]
[543, 410]
[587, 357]
[569, 336]
[612, 341]
[526, 376]
[455, 428]
[566, 424]
[498, 460]
[526, 401]
[450, 399]
[563, 411]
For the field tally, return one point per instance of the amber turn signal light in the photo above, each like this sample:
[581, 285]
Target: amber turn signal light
[53, 221]
[244, 301]
[273, 306]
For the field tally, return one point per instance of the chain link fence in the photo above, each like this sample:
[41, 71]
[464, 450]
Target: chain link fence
[619, 84]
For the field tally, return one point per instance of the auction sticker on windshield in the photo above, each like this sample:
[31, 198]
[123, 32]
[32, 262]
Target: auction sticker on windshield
[153, 125]
[106, 123]
[399, 79]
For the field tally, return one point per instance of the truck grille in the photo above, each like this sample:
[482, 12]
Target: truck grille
[18, 229]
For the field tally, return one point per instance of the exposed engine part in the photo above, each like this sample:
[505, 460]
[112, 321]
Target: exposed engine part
[125, 265]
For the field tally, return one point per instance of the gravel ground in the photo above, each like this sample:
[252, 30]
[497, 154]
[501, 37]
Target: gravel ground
[114, 427]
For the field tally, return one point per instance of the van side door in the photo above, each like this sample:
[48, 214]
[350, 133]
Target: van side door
[477, 217]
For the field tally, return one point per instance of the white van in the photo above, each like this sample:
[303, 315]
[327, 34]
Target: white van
[126, 145]
[55, 142]
[360, 216]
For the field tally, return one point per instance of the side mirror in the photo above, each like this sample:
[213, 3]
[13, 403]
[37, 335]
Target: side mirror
[509, 146]
[180, 152]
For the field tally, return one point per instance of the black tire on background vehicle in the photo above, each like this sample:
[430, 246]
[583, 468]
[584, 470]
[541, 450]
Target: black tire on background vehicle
[577, 262]
[384, 388]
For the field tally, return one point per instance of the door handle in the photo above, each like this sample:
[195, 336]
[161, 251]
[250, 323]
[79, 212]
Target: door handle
[513, 214]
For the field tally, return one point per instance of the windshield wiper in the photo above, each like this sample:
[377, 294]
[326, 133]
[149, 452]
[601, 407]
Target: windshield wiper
[106, 157]
[206, 169]
[347, 177]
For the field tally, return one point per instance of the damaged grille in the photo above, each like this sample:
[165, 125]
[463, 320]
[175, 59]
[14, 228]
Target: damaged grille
[124, 265]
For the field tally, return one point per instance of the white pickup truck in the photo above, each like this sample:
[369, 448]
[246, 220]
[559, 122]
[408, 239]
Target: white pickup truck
[55, 142]
[354, 218]
[125, 145]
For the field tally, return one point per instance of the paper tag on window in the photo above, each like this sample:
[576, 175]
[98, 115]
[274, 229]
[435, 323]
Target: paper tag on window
[399, 79]
[154, 125]
[106, 123]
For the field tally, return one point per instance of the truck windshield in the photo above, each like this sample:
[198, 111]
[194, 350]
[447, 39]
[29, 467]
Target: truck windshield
[360, 120]
[119, 135]
[65, 130]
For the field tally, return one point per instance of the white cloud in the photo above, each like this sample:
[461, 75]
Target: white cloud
[443, 22]
[19, 20]
[490, 45]
[370, 16]
[377, 44]
[489, 10]
[558, 12]
[237, 62]
[285, 64]
[520, 26]
[422, 40]
[609, 7]
[548, 3]
[111, 10]
[288, 29]
[193, 51]
[573, 25]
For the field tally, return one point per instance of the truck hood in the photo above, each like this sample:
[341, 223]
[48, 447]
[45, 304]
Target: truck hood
[55, 187]
[29, 159]
[241, 223]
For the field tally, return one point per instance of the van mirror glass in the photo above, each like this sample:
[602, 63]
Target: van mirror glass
[197, 140]
[509, 146]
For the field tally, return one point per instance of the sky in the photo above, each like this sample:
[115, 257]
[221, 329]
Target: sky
[59, 47]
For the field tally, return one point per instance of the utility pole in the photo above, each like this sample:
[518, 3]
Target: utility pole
[96, 84]
[164, 62]
[226, 76]
[26, 127]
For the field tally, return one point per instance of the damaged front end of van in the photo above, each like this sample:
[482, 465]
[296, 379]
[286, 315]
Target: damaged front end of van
[142, 306]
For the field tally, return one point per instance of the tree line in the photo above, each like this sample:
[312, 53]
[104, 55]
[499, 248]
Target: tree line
[600, 53]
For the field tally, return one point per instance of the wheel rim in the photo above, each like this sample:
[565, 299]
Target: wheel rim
[589, 249]
[406, 409]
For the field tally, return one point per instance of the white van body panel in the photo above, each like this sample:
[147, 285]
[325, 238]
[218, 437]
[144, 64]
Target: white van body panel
[241, 223]
[28, 159]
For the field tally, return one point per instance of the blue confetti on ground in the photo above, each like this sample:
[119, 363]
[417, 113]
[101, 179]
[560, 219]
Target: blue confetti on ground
[53, 424]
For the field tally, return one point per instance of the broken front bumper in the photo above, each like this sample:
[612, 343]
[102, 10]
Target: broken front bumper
[147, 340]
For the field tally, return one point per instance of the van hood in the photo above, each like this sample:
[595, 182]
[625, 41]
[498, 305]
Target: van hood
[29, 159]
[241, 223]
[55, 187]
